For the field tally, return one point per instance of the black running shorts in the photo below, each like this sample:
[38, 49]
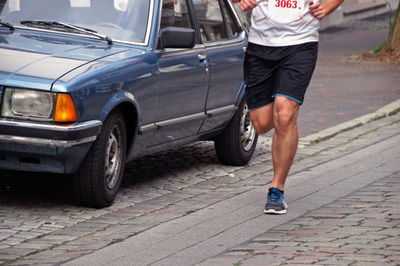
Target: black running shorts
[278, 71]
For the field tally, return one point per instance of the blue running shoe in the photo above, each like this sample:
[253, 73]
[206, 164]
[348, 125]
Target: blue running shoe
[275, 202]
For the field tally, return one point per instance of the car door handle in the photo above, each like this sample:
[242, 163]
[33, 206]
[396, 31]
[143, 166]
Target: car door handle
[202, 57]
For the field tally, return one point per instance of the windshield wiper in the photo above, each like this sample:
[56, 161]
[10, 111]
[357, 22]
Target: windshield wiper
[63, 26]
[6, 24]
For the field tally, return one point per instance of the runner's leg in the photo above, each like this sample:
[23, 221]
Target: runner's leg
[285, 140]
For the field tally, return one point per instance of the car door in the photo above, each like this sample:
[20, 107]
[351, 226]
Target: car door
[225, 41]
[184, 80]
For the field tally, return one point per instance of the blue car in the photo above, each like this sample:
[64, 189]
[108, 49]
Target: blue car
[87, 85]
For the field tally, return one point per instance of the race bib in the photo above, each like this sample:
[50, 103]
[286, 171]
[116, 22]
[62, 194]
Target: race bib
[285, 11]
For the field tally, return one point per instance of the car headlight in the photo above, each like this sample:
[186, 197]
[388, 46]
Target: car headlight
[38, 105]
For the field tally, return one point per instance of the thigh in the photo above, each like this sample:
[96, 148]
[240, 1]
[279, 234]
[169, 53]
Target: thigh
[295, 72]
[259, 77]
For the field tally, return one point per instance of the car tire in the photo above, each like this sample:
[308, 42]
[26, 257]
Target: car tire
[236, 145]
[99, 177]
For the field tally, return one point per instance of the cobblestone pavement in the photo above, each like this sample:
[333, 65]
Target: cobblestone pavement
[39, 223]
[36, 228]
[360, 229]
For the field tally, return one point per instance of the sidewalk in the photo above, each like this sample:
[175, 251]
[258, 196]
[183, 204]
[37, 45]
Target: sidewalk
[343, 197]
[360, 229]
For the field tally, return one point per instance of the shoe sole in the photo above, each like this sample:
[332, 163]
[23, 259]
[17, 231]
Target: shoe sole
[272, 211]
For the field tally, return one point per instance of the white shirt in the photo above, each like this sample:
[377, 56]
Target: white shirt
[269, 30]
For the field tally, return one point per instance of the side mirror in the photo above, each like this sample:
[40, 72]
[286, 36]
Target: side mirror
[174, 37]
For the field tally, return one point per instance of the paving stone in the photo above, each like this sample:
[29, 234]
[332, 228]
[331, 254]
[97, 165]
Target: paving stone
[30, 262]
[8, 257]
[263, 260]
[334, 261]
[307, 232]
[223, 260]
[394, 247]
[392, 241]
[273, 236]
[361, 257]
[374, 264]
[18, 251]
[13, 241]
[303, 260]
[337, 250]
[393, 258]
[3, 246]
[376, 251]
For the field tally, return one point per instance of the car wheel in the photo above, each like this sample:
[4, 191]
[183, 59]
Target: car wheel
[99, 177]
[237, 143]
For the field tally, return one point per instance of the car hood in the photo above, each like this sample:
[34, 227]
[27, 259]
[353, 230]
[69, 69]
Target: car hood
[36, 60]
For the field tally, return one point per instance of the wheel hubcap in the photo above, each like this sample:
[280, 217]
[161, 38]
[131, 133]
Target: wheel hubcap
[112, 158]
[247, 131]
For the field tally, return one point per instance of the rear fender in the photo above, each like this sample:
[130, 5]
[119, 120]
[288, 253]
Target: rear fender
[241, 94]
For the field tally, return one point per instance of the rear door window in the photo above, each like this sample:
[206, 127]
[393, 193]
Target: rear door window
[231, 26]
[2, 2]
[215, 22]
[209, 17]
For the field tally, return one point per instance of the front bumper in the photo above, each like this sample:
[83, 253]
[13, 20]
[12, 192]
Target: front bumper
[29, 146]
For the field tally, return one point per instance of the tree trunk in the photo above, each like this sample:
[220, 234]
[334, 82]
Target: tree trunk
[394, 37]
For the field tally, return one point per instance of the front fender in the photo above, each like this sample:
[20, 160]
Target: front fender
[127, 102]
[116, 100]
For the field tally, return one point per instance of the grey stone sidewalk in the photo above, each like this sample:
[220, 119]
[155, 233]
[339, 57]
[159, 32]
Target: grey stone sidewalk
[211, 208]
[325, 173]
[360, 229]
[198, 209]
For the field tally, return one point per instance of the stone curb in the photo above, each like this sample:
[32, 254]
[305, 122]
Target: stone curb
[328, 133]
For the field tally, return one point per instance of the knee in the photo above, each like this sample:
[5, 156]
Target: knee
[284, 120]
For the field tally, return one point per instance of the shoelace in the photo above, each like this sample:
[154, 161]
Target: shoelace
[275, 195]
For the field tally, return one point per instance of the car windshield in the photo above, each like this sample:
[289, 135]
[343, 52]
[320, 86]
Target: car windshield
[123, 20]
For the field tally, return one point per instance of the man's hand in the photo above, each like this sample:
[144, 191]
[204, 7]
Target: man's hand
[246, 5]
[319, 11]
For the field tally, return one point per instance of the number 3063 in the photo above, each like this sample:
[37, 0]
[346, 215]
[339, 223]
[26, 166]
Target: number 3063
[286, 3]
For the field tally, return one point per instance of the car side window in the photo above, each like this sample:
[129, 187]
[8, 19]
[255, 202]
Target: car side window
[175, 13]
[210, 19]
